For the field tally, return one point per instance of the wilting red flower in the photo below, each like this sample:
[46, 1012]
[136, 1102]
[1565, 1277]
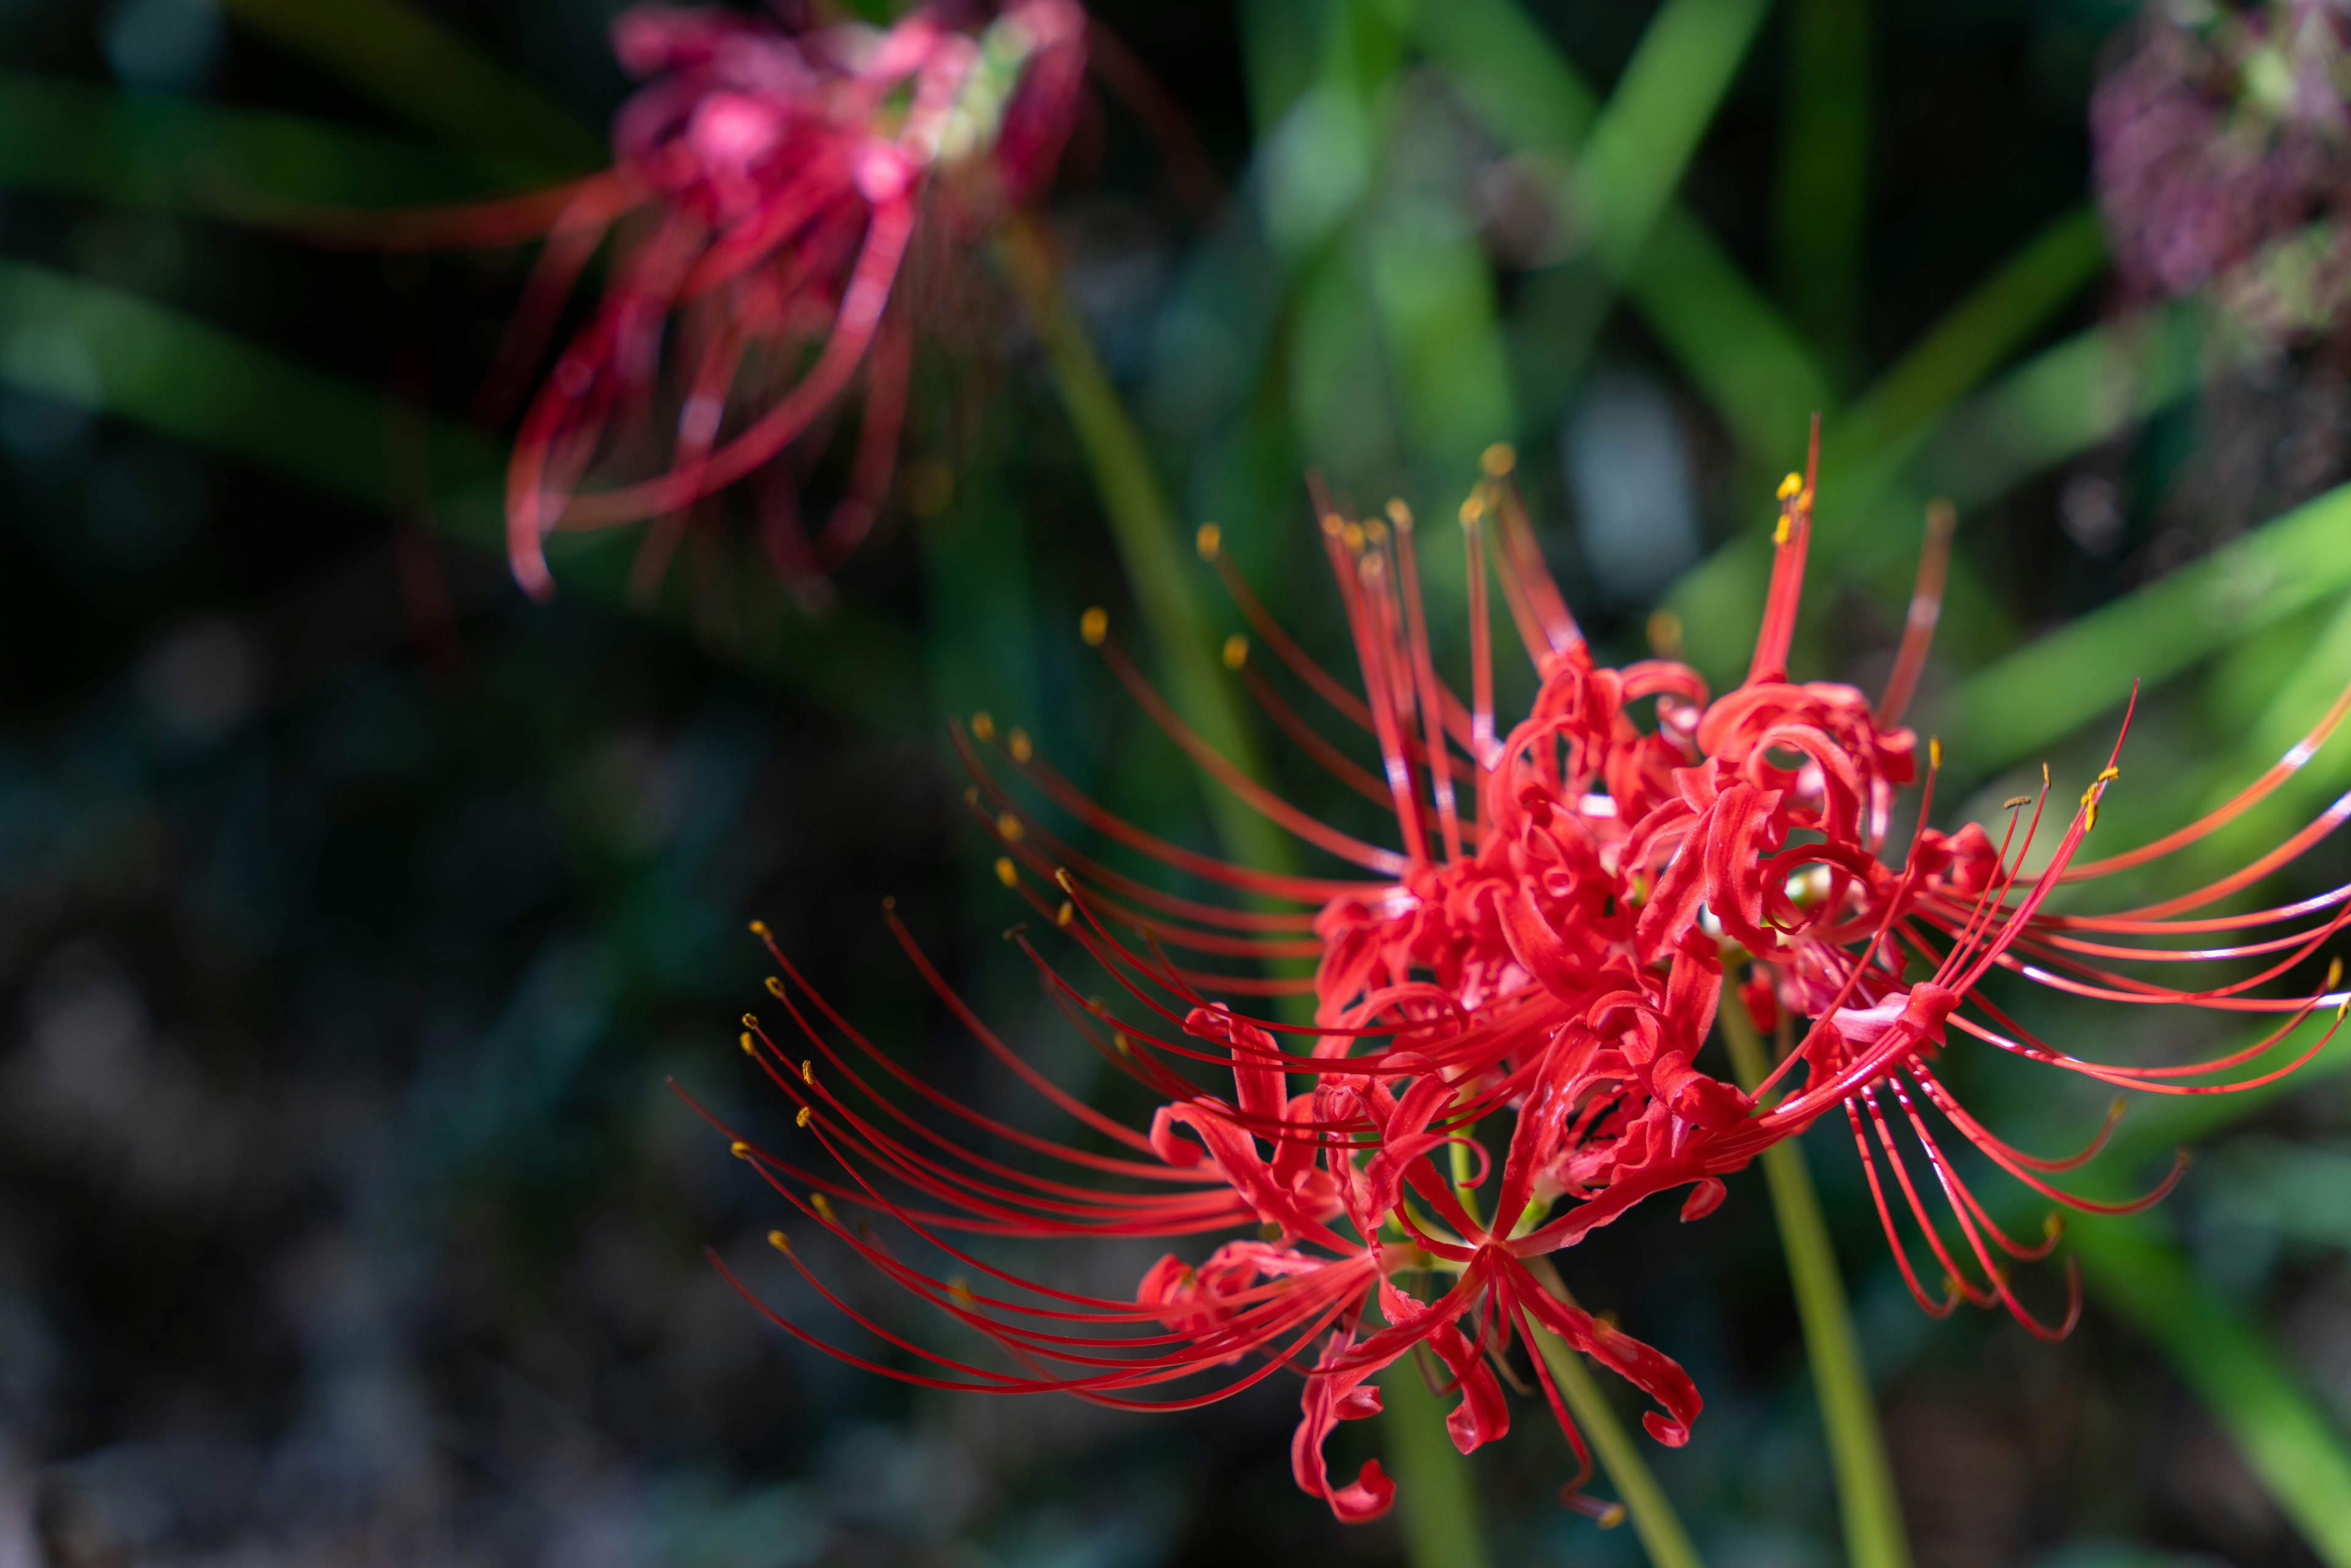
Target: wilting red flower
[767, 185]
[1547, 948]
[2223, 151]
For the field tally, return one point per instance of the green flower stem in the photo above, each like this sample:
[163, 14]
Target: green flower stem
[1652, 1513]
[1149, 540]
[1436, 1505]
[1864, 1482]
[1436, 1495]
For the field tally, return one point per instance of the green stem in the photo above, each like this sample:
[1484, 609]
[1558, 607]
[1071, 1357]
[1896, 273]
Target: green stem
[1864, 1482]
[1145, 528]
[1654, 1519]
[1436, 1505]
[1435, 1492]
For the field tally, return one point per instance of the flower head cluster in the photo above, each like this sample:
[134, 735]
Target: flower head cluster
[1510, 1013]
[2223, 145]
[766, 186]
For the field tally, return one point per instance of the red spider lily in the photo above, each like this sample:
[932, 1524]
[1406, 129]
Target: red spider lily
[1548, 944]
[766, 188]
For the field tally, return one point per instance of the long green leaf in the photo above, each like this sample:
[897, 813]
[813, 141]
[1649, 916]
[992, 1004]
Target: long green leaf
[78, 140]
[411, 64]
[105, 349]
[2267, 1408]
[1648, 130]
[2300, 1457]
[1978, 334]
[2045, 691]
[1823, 200]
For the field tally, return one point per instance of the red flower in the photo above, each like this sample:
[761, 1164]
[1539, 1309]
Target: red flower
[1547, 948]
[765, 186]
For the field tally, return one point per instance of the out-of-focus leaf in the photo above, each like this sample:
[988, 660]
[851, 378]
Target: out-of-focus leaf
[2292, 1188]
[2043, 691]
[1509, 73]
[1979, 333]
[1824, 157]
[1150, 543]
[2247, 1384]
[2067, 398]
[1642, 142]
[146, 150]
[413, 66]
[1620, 184]
[1732, 344]
[2064, 399]
[2285, 1438]
[2320, 671]
[65, 338]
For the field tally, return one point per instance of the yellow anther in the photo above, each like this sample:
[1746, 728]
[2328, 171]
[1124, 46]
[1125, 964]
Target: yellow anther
[1120, 1043]
[1208, 540]
[1022, 747]
[2334, 972]
[1094, 626]
[1007, 873]
[824, 1206]
[1472, 510]
[1791, 487]
[1352, 535]
[1067, 913]
[1008, 828]
[802, 1119]
[983, 725]
[807, 1071]
[1333, 525]
[1063, 880]
[750, 1020]
[1780, 530]
[758, 928]
[775, 988]
[780, 1242]
[2096, 792]
[751, 1046]
[740, 1149]
[1934, 751]
[1399, 514]
[961, 1291]
[1375, 531]
[2015, 802]
[1609, 1517]
[889, 902]
[1235, 651]
[1499, 459]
